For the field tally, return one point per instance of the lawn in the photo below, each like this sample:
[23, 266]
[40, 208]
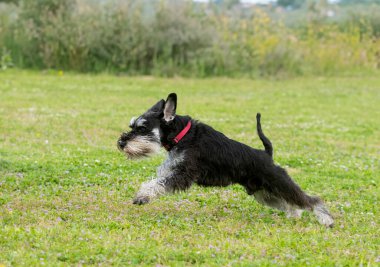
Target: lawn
[66, 191]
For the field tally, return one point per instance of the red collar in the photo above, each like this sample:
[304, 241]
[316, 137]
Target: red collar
[178, 137]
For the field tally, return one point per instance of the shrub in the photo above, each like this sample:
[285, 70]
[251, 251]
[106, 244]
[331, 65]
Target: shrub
[181, 38]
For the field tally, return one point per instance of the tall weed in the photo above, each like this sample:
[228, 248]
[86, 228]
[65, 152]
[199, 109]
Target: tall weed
[168, 38]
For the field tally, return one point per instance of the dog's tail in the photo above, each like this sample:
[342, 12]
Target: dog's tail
[267, 144]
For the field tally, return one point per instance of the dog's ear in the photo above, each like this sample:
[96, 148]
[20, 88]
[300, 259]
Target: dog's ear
[170, 107]
[158, 107]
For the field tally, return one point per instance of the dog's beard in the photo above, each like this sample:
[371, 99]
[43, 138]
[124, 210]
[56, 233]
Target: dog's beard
[140, 147]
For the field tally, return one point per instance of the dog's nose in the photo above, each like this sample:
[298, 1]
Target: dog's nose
[121, 144]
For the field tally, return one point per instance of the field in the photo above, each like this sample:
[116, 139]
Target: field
[66, 191]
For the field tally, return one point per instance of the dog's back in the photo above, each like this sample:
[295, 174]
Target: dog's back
[224, 161]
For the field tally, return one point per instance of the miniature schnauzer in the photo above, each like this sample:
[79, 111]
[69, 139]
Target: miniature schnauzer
[199, 154]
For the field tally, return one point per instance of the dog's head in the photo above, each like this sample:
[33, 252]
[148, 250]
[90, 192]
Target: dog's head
[147, 130]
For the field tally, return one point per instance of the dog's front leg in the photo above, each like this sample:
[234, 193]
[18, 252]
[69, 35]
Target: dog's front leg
[160, 186]
[173, 175]
[150, 190]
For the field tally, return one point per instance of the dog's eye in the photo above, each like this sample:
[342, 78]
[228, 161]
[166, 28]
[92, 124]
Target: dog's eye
[141, 128]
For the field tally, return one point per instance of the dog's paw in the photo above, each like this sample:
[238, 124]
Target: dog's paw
[140, 200]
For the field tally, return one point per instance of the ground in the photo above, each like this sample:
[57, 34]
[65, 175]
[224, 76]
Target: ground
[66, 191]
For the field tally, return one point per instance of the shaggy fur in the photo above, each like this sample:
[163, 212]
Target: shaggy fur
[208, 158]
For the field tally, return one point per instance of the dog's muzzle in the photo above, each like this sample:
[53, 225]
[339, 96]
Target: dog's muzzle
[136, 146]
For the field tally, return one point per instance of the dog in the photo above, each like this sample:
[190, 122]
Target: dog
[199, 154]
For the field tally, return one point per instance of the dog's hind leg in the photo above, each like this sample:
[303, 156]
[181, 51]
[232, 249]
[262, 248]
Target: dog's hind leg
[266, 198]
[281, 192]
[323, 215]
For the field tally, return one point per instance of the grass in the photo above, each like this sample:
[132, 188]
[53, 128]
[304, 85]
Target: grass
[65, 190]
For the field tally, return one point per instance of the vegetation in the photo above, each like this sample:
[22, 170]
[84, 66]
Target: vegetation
[65, 189]
[169, 38]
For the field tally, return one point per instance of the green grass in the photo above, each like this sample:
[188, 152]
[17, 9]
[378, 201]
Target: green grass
[65, 190]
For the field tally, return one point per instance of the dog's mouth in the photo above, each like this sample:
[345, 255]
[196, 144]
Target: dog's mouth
[139, 147]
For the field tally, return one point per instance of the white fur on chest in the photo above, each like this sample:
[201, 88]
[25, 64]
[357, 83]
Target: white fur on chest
[171, 162]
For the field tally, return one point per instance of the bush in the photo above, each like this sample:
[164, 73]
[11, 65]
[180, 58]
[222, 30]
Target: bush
[170, 38]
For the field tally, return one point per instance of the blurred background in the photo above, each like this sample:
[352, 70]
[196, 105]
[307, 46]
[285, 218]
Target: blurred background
[282, 38]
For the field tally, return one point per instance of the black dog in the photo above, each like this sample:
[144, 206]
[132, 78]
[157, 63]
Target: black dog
[199, 154]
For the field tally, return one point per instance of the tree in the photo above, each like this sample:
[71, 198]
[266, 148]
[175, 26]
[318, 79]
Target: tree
[350, 2]
[9, 1]
[290, 3]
